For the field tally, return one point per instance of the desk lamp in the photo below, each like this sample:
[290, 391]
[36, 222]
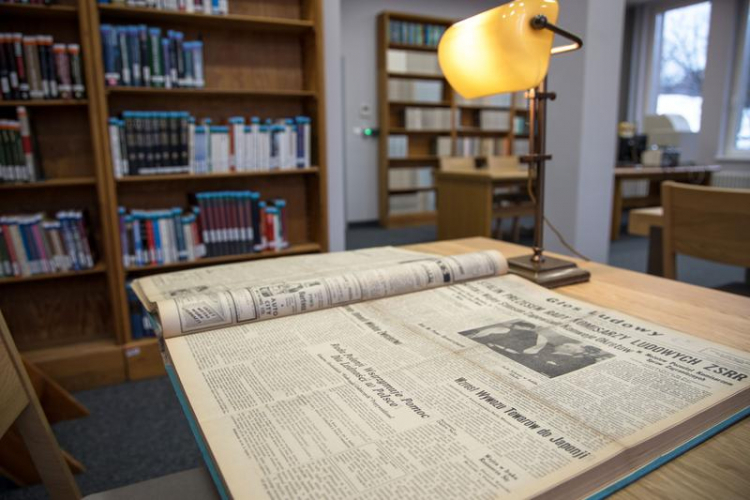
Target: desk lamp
[507, 49]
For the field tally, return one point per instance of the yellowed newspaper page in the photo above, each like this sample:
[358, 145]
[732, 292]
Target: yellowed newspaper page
[212, 279]
[494, 388]
[210, 310]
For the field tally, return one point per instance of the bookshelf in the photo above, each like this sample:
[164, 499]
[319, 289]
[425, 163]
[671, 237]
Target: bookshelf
[464, 120]
[264, 58]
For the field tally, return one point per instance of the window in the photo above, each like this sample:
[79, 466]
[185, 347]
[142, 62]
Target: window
[681, 43]
[738, 131]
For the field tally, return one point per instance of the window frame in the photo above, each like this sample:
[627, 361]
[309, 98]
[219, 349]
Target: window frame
[652, 50]
[739, 80]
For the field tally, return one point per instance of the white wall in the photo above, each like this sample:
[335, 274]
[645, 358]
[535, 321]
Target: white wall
[334, 136]
[582, 127]
[359, 49]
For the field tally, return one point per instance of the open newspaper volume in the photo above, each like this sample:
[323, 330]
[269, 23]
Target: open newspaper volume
[386, 373]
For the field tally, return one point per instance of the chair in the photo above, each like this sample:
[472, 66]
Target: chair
[705, 222]
[506, 198]
[19, 405]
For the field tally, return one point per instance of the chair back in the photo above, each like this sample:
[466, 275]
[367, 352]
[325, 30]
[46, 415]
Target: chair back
[503, 164]
[705, 222]
[457, 164]
[19, 405]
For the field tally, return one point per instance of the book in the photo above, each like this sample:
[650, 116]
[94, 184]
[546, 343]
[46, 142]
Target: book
[410, 33]
[175, 142]
[385, 373]
[19, 161]
[140, 56]
[36, 67]
[188, 6]
[35, 244]
[219, 223]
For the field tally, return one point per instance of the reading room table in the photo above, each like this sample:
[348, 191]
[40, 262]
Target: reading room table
[719, 467]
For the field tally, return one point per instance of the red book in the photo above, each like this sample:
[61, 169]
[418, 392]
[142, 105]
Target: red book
[150, 241]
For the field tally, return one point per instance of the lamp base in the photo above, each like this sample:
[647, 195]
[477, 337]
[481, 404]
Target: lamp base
[551, 273]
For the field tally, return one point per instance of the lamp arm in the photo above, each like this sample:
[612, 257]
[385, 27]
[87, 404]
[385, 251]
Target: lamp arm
[541, 22]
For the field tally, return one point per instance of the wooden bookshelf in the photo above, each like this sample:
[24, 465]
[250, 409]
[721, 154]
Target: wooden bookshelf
[265, 58]
[464, 122]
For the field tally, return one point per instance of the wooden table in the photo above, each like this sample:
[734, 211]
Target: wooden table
[698, 174]
[464, 201]
[720, 467]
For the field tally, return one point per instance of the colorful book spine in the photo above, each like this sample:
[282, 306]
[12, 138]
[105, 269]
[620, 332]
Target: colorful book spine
[18, 161]
[221, 223]
[35, 67]
[32, 244]
[139, 56]
[172, 142]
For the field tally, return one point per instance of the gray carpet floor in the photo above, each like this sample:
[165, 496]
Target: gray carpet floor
[136, 431]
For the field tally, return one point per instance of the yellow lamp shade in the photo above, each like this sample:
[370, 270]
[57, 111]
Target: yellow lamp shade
[498, 50]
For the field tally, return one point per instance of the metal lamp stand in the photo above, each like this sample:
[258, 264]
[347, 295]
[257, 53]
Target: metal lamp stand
[549, 272]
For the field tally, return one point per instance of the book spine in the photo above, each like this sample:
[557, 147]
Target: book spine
[32, 66]
[76, 70]
[62, 68]
[32, 174]
[114, 147]
[6, 90]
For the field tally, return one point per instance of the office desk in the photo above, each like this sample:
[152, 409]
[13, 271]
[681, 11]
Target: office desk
[698, 174]
[718, 468]
[464, 201]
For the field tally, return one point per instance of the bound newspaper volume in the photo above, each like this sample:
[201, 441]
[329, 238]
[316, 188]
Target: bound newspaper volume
[386, 373]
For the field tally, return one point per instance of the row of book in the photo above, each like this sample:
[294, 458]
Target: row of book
[410, 61]
[481, 146]
[171, 142]
[398, 146]
[34, 244]
[427, 118]
[189, 6]
[18, 162]
[139, 56]
[402, 204]
[410, 178]
[408, 33]
[501, 100]
[140, 323]
[30, 2]
[415, 90]
[35, 67]
[489, 119]
[219, 223]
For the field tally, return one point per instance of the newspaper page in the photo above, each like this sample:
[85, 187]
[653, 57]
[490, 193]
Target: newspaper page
[209, 310]
[153, 289]
[494, 388]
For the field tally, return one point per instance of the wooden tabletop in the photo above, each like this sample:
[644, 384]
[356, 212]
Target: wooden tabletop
[485, 175]
[718, 468]
[641, 172]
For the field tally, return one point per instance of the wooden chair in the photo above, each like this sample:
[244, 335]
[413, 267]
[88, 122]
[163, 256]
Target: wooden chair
[507, 197]
[19, 405]
[705, 222]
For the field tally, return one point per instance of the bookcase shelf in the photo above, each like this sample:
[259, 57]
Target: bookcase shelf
[419, 104]
[264, 59]
[407, 46]
[227, 21]
[416, 76]
[33, 10]
[50, 183]
[300, 248]
[97, 269]
[209, 92]
[45, 102]
[469, 121]
[137, 179]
